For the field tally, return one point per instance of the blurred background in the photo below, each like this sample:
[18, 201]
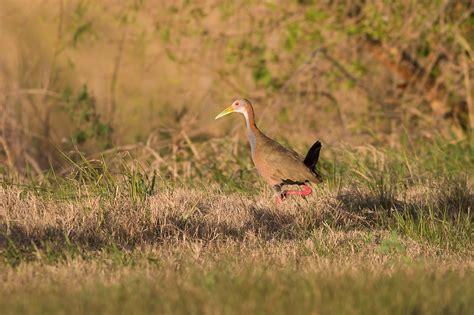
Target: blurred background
[146, 78]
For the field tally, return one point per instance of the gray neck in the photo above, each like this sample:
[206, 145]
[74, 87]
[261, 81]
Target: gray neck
[250, 135]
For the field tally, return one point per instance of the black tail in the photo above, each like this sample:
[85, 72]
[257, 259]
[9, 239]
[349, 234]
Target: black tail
[312, 156]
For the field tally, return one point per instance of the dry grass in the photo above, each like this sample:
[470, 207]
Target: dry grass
[208, 215]
[358, 245]
[197, 251]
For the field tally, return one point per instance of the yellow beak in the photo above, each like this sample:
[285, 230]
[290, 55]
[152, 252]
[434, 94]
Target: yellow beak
[226, 111]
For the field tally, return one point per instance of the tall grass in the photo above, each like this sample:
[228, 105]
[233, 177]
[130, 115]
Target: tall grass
[125, 203]
[116, 75]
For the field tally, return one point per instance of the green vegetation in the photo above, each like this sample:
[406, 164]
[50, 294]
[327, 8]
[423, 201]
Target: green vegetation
[234, 288]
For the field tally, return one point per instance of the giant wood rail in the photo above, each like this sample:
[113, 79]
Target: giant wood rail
[277, 164]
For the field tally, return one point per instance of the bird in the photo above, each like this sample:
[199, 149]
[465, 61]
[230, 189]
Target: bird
[277, 164]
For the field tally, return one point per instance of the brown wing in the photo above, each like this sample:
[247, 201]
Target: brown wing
[279, 164]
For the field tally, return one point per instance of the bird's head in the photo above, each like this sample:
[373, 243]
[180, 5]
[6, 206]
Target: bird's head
[242, 106]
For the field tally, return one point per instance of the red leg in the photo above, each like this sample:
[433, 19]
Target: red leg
[305, 192]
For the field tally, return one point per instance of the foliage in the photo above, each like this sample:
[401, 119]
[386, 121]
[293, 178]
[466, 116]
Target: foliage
[82, 111]
[354, 72]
